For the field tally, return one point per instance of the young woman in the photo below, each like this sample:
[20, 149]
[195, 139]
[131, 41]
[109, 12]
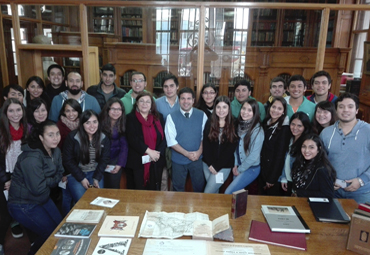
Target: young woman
[37, 112]
[145, 126]
[325, 115]
[275, 147]
[38, 169]
[247, 155]
[219, 144]
[35, 88]
[312, 173]
[13, 132]
[69, 118]
[86, 155]
[300, 126]
[207, 98]
[113, 120]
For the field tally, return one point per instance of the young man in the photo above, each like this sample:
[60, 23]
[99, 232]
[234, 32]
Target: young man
[106, 89]
[169, 102]
[74, 85]
[242, 91]
[184, 134]
[138, 84]
[277, 89]
[348, 145]
[13, 91]
[56, 77]
[297, 102]
[321, 83]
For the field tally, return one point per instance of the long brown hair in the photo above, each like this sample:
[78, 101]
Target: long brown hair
[105, 120]
[229, 131]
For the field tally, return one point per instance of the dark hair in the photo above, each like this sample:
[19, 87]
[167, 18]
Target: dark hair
[321, 73]
[187, 90]
[34, 139]
[170, 77]
[282, 117]
[321, 158]
[39, 82]
[297, 77]
[84, 138]
[5, 136]
[55, 66]
[278, 79]
[243, 82]
[108, 67]
[137, 73]
[228, 132]
[201, 104]
[105, 120]
[16, 87]
[350, 96]
[254, 122]
[72, 103]
[326, 106]
[153, 107]
[32, 107]
[296, 146]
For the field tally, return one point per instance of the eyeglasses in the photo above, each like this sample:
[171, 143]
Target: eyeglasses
[115, 109]
[144, 102]
[137, 81]
[209, 93]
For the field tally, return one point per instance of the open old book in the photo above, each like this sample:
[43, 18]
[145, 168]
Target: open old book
[207, 230]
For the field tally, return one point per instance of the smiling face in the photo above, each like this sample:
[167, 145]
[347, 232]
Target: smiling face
[115, 111]
[50, 138]
[35, 90]
[40, 114]
[91, 126]
[15, 94]
[346, 110]
[170, 88]
[144, 104]
[277, 89]
[309, 149]
[137, 83]
[297, 128]
[14, 114]
[276, 110]
[246, 112]
[186, 101]
[209, 95]
[296, 89]
[74, 83]
[70, 113]
[242, 93]
[108, 78]
[321, 86]
[222, 109]
[56, 77]
[323, 117]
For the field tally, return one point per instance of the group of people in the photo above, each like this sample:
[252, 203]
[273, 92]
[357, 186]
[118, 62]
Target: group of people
[61, 136]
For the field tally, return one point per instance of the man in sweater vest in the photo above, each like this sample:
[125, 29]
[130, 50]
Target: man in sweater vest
[184, 134]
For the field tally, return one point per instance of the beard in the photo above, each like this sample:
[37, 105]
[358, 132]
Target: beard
[74, 91]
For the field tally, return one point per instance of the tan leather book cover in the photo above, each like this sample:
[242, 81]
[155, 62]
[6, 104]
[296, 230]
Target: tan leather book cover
[359, 234]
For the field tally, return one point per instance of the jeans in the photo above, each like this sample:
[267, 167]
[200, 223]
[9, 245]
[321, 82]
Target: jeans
[212, 186]
[76, 188]
[66, 201]
[243, 179]
[358, 197]
[180, 172]
[41, 219]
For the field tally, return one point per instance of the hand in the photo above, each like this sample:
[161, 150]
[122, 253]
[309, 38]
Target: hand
[355, 184]
[96, 184]
[269, 185]
[336, 187]
[235, 171]
[284, 186]
[191, 155]
[212, 170]
[7, 185]
[64, 179]
[153, 154]
[116, 169]
[85, 183]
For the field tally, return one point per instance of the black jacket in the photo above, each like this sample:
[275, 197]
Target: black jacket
[98, 93]
[71, 156]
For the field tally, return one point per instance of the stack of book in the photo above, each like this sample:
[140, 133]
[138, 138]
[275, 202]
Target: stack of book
[358, 238]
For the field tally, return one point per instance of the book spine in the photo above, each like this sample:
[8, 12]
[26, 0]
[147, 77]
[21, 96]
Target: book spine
[233, 207]
[364, 207]
[300, 218]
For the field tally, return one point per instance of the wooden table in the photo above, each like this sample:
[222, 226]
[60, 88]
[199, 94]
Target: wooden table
[325, 238]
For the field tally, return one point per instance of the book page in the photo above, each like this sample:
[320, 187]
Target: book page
[177, 247]
[222, 248]
[220, 224]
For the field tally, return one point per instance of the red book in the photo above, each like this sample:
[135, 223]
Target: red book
[260, 232]
[364, 207]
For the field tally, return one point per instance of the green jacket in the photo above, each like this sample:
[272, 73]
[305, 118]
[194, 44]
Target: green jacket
[236, 106]
[307, 107]
[129, 101]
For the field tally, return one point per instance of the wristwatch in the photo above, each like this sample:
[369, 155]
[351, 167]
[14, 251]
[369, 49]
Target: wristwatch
[361, 182]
